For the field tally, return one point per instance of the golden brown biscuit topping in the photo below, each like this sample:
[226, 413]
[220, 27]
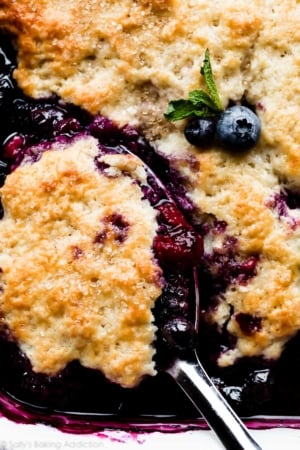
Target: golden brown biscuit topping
[78, 274]
[127, 59]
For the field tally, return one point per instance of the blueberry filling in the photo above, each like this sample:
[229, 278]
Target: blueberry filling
[249, 324]
[119, 226]
[223, 267]
[284, 203]
[252, 386]
[292, 198]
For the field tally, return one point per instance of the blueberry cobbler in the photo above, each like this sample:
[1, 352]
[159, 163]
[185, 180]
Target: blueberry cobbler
[149, 153]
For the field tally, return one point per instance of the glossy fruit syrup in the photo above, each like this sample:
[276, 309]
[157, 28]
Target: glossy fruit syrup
[252, 386]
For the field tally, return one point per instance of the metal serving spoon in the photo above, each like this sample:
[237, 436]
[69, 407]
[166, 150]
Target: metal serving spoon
[193, 380]
[190, 375]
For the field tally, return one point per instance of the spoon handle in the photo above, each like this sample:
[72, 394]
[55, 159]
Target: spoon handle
[197, 385]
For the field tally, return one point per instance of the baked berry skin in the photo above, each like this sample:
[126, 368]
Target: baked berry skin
[258, 389]
[238, 128]
[179, 334]
[176, 244]
[248, 324]
[200, 132]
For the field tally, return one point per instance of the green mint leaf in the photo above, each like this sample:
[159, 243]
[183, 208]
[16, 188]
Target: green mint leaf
[199, 103]
[204, 113]
[179, 109]
[201, 99]
[206, 71]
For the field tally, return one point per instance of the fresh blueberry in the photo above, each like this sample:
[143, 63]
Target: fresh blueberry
[200, 132]
[238, 128]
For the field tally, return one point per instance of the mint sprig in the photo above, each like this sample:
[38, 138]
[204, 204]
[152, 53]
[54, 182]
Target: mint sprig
[207, 73]
[199, 103]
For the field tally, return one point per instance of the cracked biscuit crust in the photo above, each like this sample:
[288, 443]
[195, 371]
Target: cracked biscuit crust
[127, 59]
[78, 276]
